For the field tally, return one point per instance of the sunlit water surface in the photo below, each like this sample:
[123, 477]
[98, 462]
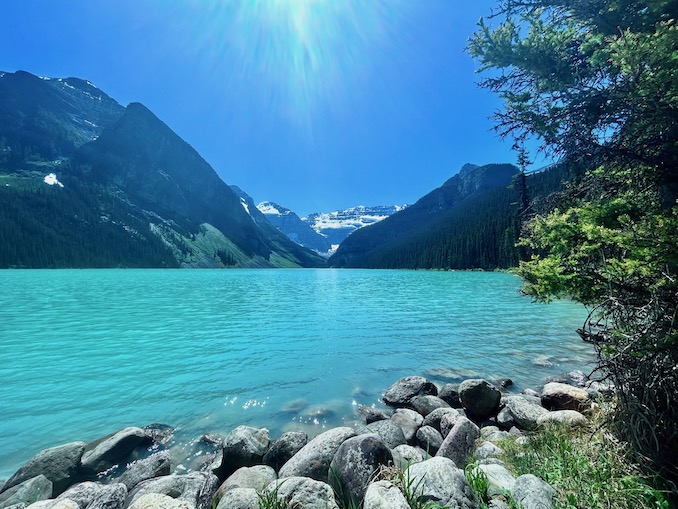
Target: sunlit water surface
[86, 352]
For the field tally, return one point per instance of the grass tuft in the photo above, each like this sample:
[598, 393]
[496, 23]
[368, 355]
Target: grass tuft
[587, 468]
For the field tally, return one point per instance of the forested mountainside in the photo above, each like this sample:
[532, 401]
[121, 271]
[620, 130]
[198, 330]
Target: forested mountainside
[472, 221]
[85, 182]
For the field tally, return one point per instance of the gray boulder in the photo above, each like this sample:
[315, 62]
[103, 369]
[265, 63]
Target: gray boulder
[155, 465]
[284, 448]
[240, 498]
[524, 413]
[558, 396]
[256, 478]
[480, 398]
[197, 488]
[427, 404]
[408, 421]
[160, 501]
[384, 495]
[406, 455]
[570, 418]
[487, 450]
[389, 432]
[245, 446]
[459, 442]
[372, 414]
[303, 492]
[92, 495]
[402, 392]
[161, 434]
[450, 394]
[54, 504]
[433, 419]
[58, 464]
[111, 450]
[354, 464]
[314, 459]
[530, 492]
[505, 419]
[499, 478]
[447, 422]
[429, 439]
[32, 490]
[438, 480]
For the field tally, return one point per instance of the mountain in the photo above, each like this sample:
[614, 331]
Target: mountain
[471, 221]
[294, 227]
[338, 225]
[130, 191]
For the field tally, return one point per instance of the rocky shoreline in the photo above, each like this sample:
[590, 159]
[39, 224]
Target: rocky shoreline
[410, 454]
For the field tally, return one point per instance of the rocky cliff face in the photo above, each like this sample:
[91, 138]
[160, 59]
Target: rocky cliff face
[294, 227]
[338, 225]
[130, 191]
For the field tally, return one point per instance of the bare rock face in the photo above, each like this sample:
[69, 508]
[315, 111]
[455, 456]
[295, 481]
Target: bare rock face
[402, 392]
[355, 463]
[58, 464]
[480, 398]
[314, 459]
[558, 396]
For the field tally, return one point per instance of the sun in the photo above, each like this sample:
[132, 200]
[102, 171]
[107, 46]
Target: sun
[301, 57]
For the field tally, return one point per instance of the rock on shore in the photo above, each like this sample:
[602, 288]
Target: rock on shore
[429, 439]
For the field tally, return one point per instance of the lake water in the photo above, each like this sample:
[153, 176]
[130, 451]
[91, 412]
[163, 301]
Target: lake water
[86, 352]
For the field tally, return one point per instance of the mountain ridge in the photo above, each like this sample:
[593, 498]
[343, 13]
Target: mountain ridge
[125, 179]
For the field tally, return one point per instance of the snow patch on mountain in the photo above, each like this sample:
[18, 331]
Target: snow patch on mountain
[352, 218]
[273, 209]
[243, 202]
[51, 180]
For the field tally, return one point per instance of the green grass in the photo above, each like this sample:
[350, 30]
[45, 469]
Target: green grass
[588, 468]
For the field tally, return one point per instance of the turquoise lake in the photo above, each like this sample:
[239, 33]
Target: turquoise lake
[86, 352]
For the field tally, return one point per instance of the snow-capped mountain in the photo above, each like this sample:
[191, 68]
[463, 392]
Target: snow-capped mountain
[324, 231]
[291, 225]
[338, 225]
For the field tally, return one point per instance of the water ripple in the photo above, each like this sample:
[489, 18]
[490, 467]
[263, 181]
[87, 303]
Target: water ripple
[85, 352]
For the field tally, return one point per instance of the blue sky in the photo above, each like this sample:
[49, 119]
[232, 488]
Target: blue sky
[314, 104]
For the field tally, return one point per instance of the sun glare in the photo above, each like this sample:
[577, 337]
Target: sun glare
[301, 57]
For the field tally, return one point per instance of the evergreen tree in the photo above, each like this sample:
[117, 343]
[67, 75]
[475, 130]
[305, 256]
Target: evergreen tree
[596, 81]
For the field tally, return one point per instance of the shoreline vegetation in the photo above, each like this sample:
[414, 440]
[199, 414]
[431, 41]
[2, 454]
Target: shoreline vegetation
[471, 445]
